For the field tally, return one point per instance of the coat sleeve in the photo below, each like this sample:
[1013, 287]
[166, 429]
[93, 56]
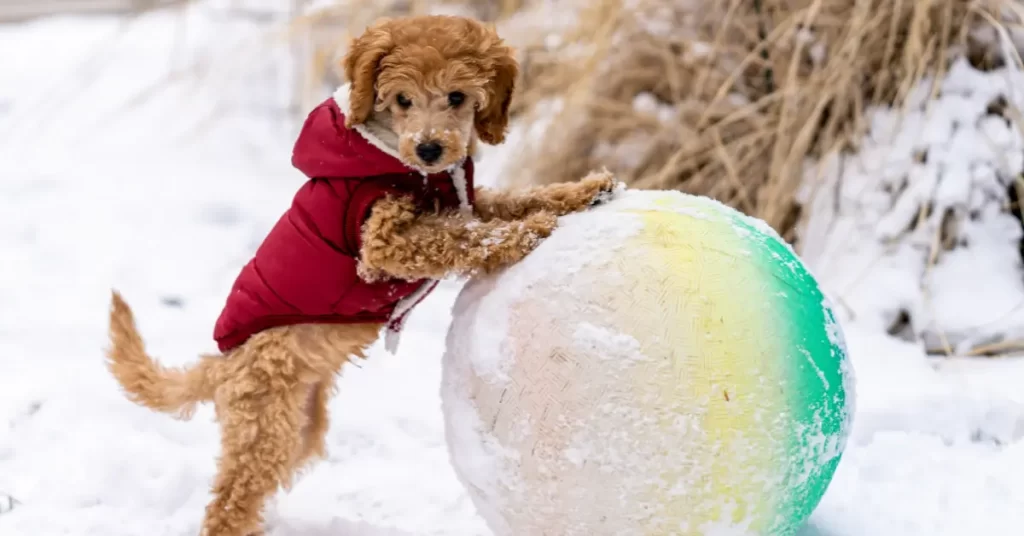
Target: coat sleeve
[322, 205]
[362, 198]
[335, 209]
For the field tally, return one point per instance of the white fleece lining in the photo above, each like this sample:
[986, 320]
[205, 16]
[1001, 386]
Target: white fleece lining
[458, 176]
[341, 97]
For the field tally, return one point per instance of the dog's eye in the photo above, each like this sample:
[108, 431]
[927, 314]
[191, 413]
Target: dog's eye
[456, 98]
[403, 101]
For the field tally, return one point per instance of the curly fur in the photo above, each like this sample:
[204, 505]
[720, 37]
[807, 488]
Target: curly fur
[270, 396]
[505, 227]
[424, 63]
[402, 243]
[558, 199]
[271, 393]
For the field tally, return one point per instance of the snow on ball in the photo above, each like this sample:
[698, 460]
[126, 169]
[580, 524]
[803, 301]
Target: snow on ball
[662, 364]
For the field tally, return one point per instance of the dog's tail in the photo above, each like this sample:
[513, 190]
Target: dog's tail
[169, 390]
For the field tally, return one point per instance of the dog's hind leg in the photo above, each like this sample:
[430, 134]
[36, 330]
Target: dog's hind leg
[262, 416]
[315, 430]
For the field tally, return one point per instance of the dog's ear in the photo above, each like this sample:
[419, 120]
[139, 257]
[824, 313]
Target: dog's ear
[492, 121]
[361, 64]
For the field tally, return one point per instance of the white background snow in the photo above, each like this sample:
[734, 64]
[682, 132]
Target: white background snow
[151, 156]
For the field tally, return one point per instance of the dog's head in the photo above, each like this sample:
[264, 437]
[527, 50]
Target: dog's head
[436, 81]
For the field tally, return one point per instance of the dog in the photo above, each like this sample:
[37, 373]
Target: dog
[388, 210]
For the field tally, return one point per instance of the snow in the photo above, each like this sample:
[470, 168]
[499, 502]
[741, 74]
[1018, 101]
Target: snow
[166, 206]
[490, 330]
[880, 239]
[920, 211]
[143, 155]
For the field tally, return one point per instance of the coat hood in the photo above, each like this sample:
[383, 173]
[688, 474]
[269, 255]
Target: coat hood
[327, 148]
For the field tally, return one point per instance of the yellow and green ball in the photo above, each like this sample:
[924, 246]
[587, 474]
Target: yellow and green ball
[662, 364]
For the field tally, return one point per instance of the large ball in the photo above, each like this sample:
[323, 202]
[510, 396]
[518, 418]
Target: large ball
[662, 364]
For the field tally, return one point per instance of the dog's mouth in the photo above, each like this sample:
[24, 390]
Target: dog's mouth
[430, 155]
[431, 164]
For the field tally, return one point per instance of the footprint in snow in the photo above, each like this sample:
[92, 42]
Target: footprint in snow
[173, 302]
[7, 503]
[222, 215]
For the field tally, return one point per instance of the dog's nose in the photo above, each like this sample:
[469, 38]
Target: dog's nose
[429, 152]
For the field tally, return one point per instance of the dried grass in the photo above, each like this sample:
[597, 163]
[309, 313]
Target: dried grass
[729, 98]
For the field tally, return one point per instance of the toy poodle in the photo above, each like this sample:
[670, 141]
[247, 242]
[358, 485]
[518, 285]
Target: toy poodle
[389, 208]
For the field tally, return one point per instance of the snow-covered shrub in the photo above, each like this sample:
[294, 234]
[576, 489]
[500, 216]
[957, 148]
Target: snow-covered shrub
[919, 232]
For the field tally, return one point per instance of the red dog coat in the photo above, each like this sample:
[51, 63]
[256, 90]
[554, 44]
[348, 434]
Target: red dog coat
[305, 269]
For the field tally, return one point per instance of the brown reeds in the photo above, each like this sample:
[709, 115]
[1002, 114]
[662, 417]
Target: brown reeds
[729, 98]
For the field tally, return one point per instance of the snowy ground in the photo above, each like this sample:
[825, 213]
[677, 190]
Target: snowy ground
[112, 174]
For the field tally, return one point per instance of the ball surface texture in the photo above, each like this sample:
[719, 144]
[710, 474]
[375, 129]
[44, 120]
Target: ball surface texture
[661, 364]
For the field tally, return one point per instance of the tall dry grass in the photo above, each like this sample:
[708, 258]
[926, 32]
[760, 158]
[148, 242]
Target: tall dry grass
[728, 98]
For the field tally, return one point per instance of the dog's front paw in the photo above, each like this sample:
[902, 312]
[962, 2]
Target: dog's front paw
[600, 187]
[533, 230]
